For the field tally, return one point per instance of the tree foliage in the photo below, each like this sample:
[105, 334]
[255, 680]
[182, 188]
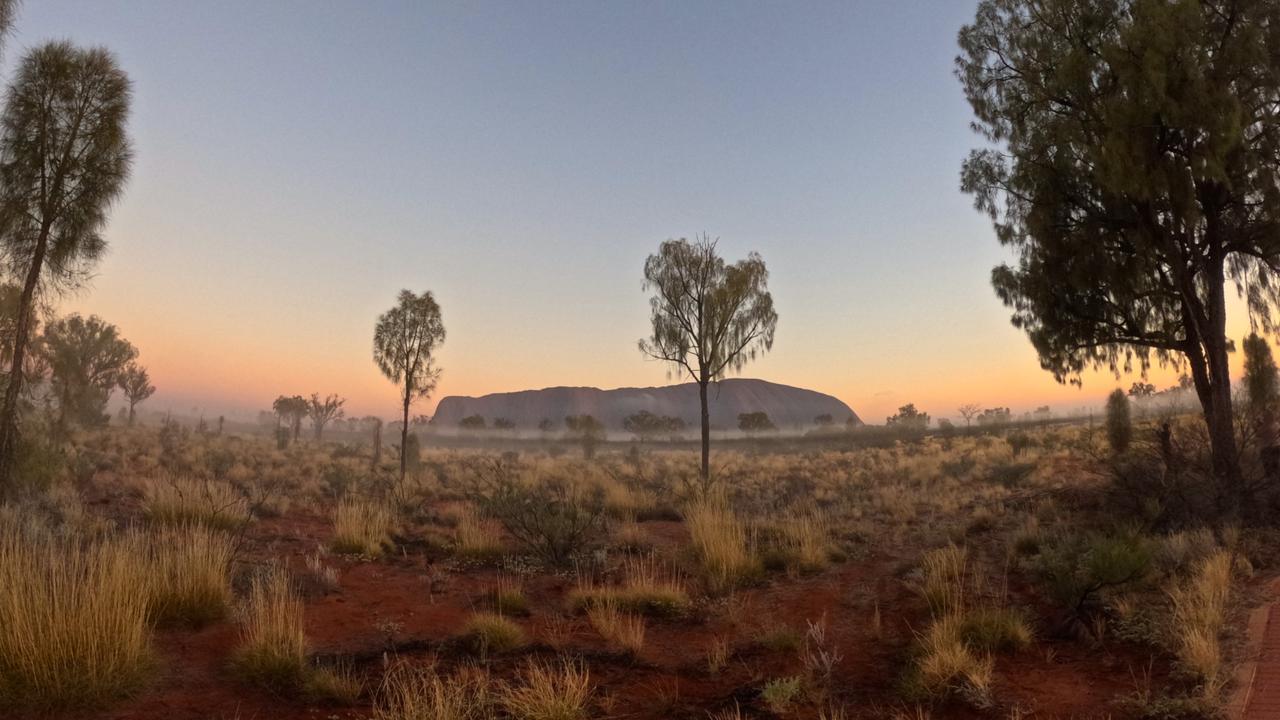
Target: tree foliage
[135, 382]
[1132, 165]
[646, 425]
[708, 317]
[324, 410]
[1119, 422]
[755, 422]
[64, 158]
[86, 357]
[404, 343]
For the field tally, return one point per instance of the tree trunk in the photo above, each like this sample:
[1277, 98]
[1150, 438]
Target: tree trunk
[1211, 375]
[705, 470]
[9, 411]
[377, 444]
[404, 432]
[131, 414]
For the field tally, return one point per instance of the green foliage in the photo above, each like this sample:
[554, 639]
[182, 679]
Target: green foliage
[1119, 423]
[781, 693]
[550, 517]
[404, 344]
[1076, 568]
[1261, 379]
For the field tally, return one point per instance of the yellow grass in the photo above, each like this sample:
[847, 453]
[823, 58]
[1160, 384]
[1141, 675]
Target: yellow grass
[73, 619]
[493, 633]
[1199, 614]
[420, 693]
[944, 579]
[189, 570]
[549, 691]
[273, 650]
[722, 544]
[648, 587]
[188, 500]
[618, 627]
[476, 536]
[361, 527]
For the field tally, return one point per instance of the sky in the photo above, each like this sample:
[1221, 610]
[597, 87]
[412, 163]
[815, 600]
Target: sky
[298, 163]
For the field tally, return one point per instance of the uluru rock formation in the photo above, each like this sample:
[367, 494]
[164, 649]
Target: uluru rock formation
[788, 407]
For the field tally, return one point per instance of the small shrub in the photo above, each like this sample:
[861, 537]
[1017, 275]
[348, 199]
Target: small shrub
[780, 693]
[338, 685]
[781, 639]
[551, 517]
[994, 630]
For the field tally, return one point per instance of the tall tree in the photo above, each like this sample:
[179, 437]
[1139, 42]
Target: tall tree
[708, 317]
[64, 158]
[323, 410]
[969, 411]
[135, 381]
[404, 344]
[1132, 164]
[86, 357]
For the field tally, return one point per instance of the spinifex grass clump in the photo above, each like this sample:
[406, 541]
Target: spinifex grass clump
[648, 587]
[182, 501]
[618, 627]
[1199, 615]
[549, 691]
[721, 543]
[273, 650]
[361, 527]
[189, 568]
[73, 619]
[493, 633]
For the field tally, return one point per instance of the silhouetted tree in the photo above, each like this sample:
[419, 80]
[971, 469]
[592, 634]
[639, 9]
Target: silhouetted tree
[646, 425]
[64, 157]
[708, 317]
[503, 424]
[587, 430]
[546, 425]
[755, 422]
[291, 409]
[404, 342]
[1141, 390]
[137, 387]
[1134, 166]
[472, 422]
[1119, 424]
[824, 420]
[908, 418]
[968, 411]
[324, 410]
[86, 358]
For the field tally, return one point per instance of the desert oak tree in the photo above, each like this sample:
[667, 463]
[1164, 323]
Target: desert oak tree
[135, 382]
[404, 344]
[1133, 166]
[64, 158]
[708, 317]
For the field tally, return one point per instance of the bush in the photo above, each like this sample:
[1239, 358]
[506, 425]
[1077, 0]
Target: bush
[550, 517]
[1119, 424]
[1077, 569]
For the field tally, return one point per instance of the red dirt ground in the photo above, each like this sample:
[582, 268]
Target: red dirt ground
[415, 602]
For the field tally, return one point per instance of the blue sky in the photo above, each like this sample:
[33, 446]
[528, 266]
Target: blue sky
[300, 162]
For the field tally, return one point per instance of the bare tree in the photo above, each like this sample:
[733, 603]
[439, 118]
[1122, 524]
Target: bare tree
[969, 411]
[322, 411]
[64, 158]
[404, 343]
[708, 317]
[137, 387]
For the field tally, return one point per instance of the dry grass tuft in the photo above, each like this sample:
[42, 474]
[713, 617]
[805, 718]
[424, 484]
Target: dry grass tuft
[618, 627]
[73, 619]
[182, 501]
[549, 691]
[361, 527]
[273, 649]
[1199, 614]
[722, 544]
[477, 537]
[420, 693]
[648, 587]
[493, 633]
[943, 586]
[190, 566]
